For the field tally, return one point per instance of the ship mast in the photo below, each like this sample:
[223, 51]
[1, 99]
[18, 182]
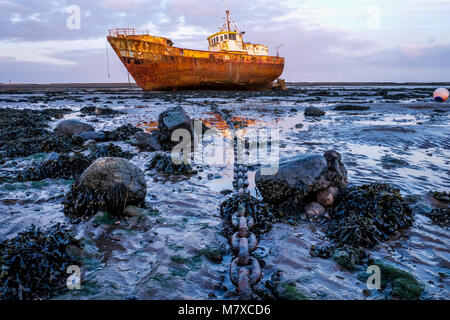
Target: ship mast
[228, 20]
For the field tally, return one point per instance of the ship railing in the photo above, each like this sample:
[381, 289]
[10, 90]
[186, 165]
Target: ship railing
[122, 32]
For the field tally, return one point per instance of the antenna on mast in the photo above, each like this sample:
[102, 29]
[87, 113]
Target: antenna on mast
[279, 48]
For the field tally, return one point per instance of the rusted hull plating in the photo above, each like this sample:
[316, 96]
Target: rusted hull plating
[156, 66]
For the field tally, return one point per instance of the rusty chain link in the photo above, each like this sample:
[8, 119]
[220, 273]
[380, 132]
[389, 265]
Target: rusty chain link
[245, 270]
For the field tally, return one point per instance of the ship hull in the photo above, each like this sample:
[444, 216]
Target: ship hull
[155, 66]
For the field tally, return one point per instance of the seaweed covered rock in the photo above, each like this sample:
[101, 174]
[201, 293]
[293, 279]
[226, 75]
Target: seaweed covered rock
[440, 214]
[368, 214]
[34, 264]
[260, 213]
[109, 184]
[122, 133]
[443, 197]
[300, 179]
[69, 166]
[71, 127]
[170, 120]
[25, 132]
[440, 217]
[163, 163]
[107, 150]
[55, 166]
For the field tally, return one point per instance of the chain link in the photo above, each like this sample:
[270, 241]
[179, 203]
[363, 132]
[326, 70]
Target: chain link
[245, 270]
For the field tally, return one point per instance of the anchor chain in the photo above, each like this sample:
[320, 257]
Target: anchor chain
[245, 270]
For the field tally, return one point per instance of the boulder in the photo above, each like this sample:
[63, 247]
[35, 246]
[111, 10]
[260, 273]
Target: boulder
[109, 184]
[71, 127]
[170, 120]
[302, 177]
[314, 112]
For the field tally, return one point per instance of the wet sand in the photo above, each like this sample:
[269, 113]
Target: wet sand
[403, 139]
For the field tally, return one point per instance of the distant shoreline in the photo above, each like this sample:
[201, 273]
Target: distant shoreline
[13, 86]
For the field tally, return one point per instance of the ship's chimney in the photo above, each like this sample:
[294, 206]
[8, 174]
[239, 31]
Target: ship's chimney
[228, 19]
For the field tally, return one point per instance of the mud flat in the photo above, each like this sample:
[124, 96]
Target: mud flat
[173, 247]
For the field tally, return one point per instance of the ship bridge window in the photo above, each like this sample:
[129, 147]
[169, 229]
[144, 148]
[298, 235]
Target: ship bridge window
[225, 37]
[221, 38]
[232, 36]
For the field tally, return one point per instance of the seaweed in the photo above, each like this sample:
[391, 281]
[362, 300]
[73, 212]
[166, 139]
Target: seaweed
[164, 164]
[440, 217]
[34, 264]
[63, 166]
[367, 215]
[69, 166]
[82, 201]
[25, 132]
[260, 213]
[122, 133]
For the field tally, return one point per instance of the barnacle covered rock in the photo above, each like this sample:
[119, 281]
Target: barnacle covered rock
[163, 163]
[34, 264]
[109, 184]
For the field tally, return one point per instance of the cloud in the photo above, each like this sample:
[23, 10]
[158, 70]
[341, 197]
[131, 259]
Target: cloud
[47, 51]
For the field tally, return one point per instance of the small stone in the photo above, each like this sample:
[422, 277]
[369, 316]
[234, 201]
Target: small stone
[314, 112]
[314, 210]
[89, 142]
[133, 211]
[327, 197]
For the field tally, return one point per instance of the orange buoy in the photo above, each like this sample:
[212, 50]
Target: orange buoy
[440, 94]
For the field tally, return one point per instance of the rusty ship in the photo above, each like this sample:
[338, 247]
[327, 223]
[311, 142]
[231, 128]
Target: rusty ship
[230, 63]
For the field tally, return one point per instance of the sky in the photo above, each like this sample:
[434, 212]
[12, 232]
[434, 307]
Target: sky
[322, 40]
